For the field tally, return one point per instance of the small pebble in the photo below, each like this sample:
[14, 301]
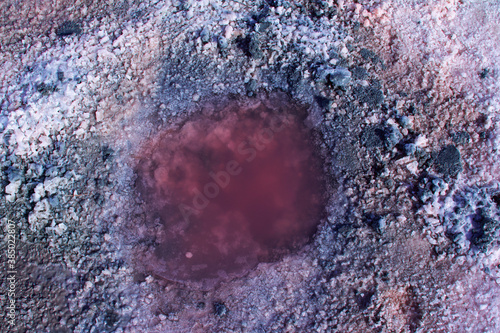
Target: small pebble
[338, 77]
[251, 87]
[254, 48]
[222, 42]
[410, 149]
[205, 35]
[404, 121]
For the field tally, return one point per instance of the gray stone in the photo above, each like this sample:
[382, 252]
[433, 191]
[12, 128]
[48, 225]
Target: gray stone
[484, 231]
[381, 136]
[220, 309]
[3, 122]
[337, 77]
[205, 35]
[377, 222]
[254, 48]
[370, 95]
[359, 73]
[404, 121]
[392, 136]
[429, 188]
[222, 42]
[410, 149]
[460, 138]
[251, 87]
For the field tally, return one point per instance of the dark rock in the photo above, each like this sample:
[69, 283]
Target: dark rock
[68, 28]
[333, 53]
[448, 161]
[344, 153]
[460, 138]
[424, 158]
[412, 109]
[404, 121]
[363, 299]
[474, 218]
[137, 14]
[111, 318]
[293, 75]
[220, 309]
[378, 168]
[263, 27]
[205, 35]
[183, 5]
[356, 26]
[410, 149]
[37, 170]
[243, 44]
[373, 137]
[369, 55]
[375, 221]
[222, 42]
[14, 174]
[323, 102]
[376, 84]
[261, 14]
[484, 73]
[4, 120]
[54, 171]
[250, 45]
[484, 231]
[274, 3]
[429, 187]
[320, 8]
[251, 87]
[254, 47]
[392, 136]
[380, 136]
[359, 73]
[60, 75]
[46, 89]
[333, 77]
[98, 199]
[139, 277]
[369, 95]
[496, 199]
[7, 137]
[107, 153]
